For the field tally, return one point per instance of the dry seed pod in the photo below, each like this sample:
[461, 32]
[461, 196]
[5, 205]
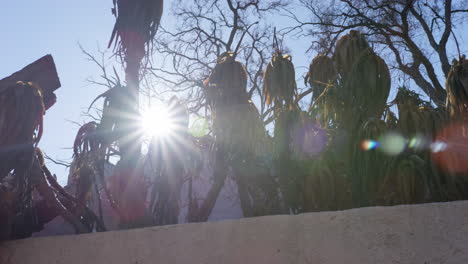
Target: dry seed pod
[407, 100]
[227, 82]
[457, 89]
[432, 119]
[279, 83]
[321, 73]
[348, 49]
[364, 75]
[21, 113]
[369, 83]
[407, 103]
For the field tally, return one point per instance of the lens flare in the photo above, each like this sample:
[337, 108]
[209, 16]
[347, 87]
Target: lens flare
[369, 144]
[449, 148]
[392, 144]
[419, 143]
[438, 146]
[308, 139]
[199, 127]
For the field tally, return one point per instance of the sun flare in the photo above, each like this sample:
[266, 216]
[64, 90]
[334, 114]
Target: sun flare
[157, 122]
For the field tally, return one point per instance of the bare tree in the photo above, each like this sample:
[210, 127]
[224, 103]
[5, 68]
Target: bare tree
[205, 29]
[416, 33]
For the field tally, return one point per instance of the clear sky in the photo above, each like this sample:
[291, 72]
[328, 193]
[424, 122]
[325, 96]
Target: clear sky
[31, 29]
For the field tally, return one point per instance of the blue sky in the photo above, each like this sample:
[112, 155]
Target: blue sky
[32, 29]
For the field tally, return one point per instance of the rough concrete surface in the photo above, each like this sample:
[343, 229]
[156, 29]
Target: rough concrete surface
[425, 234]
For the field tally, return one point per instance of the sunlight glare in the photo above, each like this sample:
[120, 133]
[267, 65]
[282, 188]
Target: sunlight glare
[157, 122]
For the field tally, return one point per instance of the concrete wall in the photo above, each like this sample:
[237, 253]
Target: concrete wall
[424, 234]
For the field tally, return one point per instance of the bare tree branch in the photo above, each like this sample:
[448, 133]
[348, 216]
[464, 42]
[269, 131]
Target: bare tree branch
[396, 25]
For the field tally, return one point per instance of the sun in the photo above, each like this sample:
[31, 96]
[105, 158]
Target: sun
[157, 121]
